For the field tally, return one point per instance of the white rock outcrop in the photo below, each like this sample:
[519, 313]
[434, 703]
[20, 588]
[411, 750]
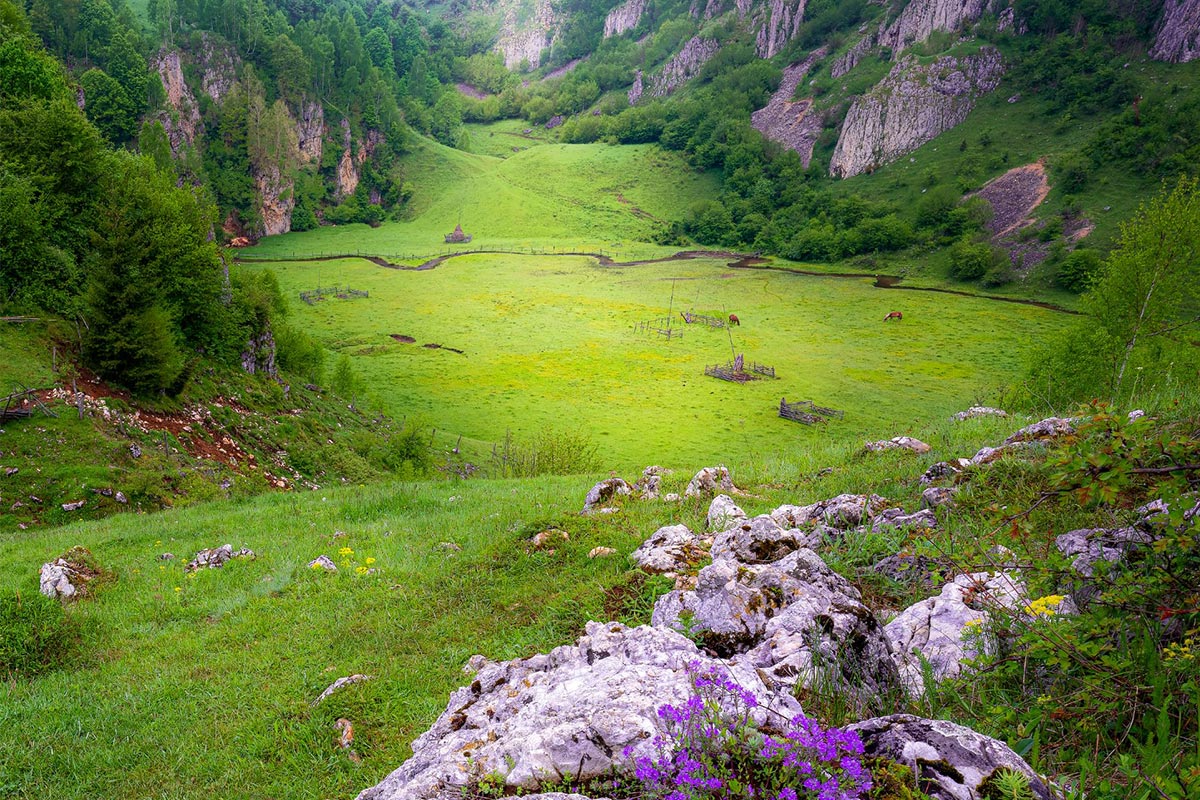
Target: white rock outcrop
[523, 36]
[624, 17]
[911, 106]
[921, 18]
[1178, 36]
[684, 66]
[779, 22]
[310, 129]
[182, 123]
[567, 714]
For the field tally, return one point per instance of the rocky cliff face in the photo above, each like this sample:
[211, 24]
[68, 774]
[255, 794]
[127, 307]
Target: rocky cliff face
[792, 124]
[777, 22]
[684, 66]
[349, 171]
[183, 124]
[921, 18]
[911, 106]
[276, 199]
[524, 32]
[1178, 37]
[310, 128]
[219, 64]
[624, 17]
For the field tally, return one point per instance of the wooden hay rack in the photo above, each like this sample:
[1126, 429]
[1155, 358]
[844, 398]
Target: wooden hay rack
[807, 412]
[703, 319]
[21, 402]
[660, 326]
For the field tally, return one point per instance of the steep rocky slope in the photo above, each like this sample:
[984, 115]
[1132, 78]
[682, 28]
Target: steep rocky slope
[1178, 37]
[919, 19]
[794, 124]
[624, 17]
[910, 107]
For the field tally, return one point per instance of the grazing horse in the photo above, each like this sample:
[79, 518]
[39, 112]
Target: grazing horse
[893, 315]
[733, 320]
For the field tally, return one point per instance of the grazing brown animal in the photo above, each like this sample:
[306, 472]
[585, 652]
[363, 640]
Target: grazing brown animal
[893, 315]
[733, 320]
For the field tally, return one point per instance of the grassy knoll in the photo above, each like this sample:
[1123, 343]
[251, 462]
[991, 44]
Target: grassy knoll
[579, 195]
[548, 343]
[179, 687]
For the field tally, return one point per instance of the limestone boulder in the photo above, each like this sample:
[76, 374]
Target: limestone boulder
[1049, 428]
[649, 486]
[979, 411]
[710, 480]
[936, 496]
[723, 513]
[950, 628]
[217, 557]
[898, 443]
[951, 762]
[671, 550]
[605, 490]
[891, 518]
[944, 469]
[1089, 546]
[761, 540]
[69, 576]
[569, 714]
[838, 513]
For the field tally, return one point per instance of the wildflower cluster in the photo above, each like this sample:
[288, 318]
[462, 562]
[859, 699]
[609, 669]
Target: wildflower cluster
[1181, 652]
[714, 750]
[1045, 606]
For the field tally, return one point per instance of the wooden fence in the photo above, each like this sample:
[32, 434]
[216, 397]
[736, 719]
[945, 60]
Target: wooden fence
[321, 292]
[703, 319]
[807, 412]
[661, 326]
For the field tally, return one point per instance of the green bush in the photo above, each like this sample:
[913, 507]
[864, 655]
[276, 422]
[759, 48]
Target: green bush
[970, 261]
[35, 634]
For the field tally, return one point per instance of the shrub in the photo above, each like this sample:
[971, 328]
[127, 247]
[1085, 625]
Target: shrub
[970, 261]
[35, 634]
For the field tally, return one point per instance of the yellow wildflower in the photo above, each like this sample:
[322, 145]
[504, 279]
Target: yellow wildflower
[370, 560]
[178, 589]
[361, 570]
[345, 551]
[1045, 606]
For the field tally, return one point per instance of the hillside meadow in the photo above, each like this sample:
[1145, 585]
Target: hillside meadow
[550, 341]
[172, 684]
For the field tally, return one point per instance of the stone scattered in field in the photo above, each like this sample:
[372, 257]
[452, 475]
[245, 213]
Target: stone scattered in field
[323, 562]
[604, 491]
[906, 568]
[936, 496]
[760, 540]
[710, 480]
[543, 539]
[723, 512]
[78, 504]
[10, 471]
[896, 518]
[1049, 428]
[944, 469]
[216, 557]
[951, 762]
[650, 484]
[601, 552]
[898, 443]
[449, 547]
[69, 576]
[339, 684]
[979, 411]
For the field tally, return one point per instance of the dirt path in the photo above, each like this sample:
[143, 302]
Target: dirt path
[737, 261]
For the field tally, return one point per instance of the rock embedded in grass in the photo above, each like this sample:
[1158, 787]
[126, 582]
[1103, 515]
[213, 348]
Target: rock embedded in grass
[948, 628]
[723, 512]
[217, 557]
[951, 762]
[979, 411]
[671, 550]
[604, 491]
[898, 443]
[710, 480]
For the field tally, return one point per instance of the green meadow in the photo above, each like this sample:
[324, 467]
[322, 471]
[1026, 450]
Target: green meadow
[550, 341]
